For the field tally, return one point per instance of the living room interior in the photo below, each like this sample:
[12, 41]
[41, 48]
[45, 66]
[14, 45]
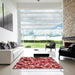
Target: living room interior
[37, 37]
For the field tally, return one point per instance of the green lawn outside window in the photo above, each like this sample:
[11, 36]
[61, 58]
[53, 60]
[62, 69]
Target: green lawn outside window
[40, 44]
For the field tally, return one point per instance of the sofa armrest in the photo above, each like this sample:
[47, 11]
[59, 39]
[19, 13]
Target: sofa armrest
[6, 57]
[63, 47]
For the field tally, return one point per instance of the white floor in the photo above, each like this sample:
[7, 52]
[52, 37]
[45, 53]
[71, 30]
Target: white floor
[66, 63]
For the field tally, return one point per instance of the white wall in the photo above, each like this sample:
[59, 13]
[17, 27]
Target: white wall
[6, 35]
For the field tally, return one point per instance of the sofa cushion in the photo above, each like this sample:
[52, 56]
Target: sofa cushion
[17, 51]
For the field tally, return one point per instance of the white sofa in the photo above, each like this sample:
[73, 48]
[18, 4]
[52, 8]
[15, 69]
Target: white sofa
[9, 55]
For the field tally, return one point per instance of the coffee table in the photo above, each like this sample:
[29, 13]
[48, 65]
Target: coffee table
[40, 53]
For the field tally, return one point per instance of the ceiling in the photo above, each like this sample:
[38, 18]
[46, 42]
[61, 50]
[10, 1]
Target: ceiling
[34, 4]
[51, 1]
[42, 4]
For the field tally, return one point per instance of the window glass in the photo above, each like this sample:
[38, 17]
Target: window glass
[41, 23]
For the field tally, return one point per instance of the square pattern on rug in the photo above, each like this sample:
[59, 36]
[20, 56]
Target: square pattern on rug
[37, 63]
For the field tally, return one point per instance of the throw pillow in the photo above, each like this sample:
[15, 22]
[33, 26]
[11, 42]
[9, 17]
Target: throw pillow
[13, 44]
[9, 46]
[3, 45]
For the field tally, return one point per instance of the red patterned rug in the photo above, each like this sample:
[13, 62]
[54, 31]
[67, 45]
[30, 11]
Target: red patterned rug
[36, 63]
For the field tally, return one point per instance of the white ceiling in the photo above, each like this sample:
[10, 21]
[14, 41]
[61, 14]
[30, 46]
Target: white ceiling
[51, 1]
[39, 6]
[34, 4]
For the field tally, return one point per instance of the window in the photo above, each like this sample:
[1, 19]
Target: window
[40, 23]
